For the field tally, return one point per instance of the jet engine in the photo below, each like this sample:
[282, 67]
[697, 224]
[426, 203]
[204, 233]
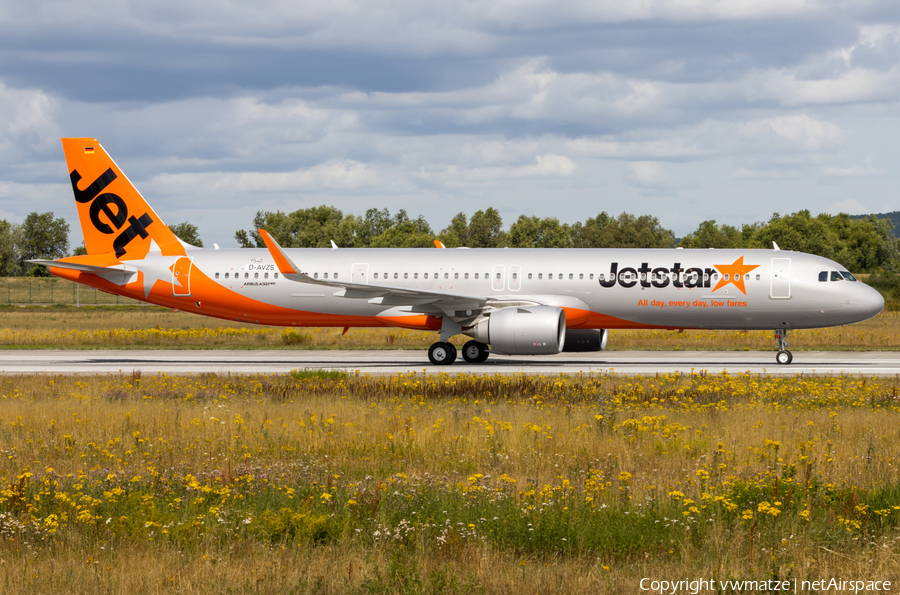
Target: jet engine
[580, 340]
[526, 330]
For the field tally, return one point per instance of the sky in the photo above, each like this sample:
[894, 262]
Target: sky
[687, 110]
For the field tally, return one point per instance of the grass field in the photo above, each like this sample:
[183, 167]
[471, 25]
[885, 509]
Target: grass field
[142, 327]
[324, 483]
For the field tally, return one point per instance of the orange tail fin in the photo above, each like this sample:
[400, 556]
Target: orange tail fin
[114, 216]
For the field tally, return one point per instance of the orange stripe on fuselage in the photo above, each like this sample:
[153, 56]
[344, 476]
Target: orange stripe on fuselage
[220, 302]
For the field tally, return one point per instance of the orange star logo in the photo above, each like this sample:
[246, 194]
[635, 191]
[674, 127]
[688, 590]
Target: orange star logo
[734, 274]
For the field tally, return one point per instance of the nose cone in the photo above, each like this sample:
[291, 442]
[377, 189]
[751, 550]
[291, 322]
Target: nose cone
[870, 302]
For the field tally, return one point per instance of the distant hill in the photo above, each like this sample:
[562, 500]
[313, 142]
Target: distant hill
[894, 217]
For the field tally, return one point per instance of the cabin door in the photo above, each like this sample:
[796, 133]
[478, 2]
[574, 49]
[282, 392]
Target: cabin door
[181, 276]
[360, 273]
[781, 279]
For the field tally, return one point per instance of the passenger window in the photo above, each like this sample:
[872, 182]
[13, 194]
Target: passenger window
[226, 275]
[276, 275]
[256, 275]
[406, 275]
[498, 275]
[415, 275]
[836, 276]
[581, 275]
[549, 275]
[466, 275]
[326, 275]
[217, 275]
[265, 275]
[540, 275]
[757, 277]
[395, 275]
[515, 276]
[247, 275]
[426, 275]
[376, 275]
[447, 276]
[315, 275]
[571, 276]
[529, 275]
[476, 275]
[456, 275]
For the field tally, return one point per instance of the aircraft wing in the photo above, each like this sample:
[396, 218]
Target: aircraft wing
[449, 303]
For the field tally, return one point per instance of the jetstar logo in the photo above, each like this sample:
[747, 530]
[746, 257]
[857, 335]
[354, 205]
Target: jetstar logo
[113, 207]
[678, 276]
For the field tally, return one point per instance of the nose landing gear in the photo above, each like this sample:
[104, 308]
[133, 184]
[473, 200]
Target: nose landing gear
[783, 357]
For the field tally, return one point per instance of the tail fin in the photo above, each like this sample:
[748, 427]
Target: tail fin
[114, 216]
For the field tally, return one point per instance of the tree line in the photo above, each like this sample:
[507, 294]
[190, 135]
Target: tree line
[862, 245]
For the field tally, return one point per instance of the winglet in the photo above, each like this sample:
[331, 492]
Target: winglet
[439, 244]
[775, 246]
[282, 260]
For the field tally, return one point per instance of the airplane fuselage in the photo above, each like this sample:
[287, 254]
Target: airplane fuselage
[597, 288]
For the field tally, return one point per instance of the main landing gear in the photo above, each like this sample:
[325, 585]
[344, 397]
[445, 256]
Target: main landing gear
[475, 352]
[442, 353]
[783, 356]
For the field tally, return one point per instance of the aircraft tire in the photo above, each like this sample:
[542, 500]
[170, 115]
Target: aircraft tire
[442, 354]
[784, 357]
[475, 352]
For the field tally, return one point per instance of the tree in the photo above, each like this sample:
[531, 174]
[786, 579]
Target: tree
[42, 236]
[187, 232]
[9, 259]
[405, 233]
[624, 231]
[535, 232]
[483, 230]
[457, 233]
[710, 235]
[486, 230]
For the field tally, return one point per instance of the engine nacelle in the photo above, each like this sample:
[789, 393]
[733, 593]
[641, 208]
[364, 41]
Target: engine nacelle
[580, 340]
[528, 330]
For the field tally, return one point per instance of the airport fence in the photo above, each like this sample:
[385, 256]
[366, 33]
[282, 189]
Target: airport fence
[38, 291]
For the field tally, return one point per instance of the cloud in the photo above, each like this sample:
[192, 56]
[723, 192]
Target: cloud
[851, 206]
[799, 130]
[456, 105]
[344, 175]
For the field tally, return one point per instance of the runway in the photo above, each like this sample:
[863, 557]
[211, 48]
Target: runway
[392, 362]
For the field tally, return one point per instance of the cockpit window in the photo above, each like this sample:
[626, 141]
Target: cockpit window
[836, 276]
[848, 276]
[823, 276]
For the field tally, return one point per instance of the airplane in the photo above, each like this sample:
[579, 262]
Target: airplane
[507, 301]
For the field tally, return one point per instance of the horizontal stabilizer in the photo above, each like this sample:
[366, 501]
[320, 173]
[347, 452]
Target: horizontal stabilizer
[119, 274]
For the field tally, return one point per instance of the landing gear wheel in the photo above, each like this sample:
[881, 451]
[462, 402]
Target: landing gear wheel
[784, 357]
[442, 354]
[475, 352]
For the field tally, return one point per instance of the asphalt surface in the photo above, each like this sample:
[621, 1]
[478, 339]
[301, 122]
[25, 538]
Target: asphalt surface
[390, 362]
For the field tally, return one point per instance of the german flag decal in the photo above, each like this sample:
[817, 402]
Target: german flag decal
[89, 150]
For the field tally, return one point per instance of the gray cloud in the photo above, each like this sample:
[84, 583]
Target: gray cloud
[217, 109]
